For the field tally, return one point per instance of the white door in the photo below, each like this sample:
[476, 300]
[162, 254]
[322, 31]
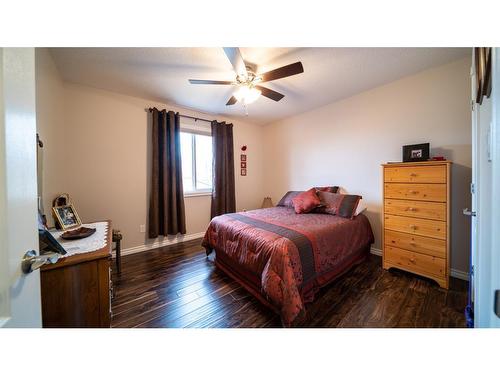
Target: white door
[19, 293]
[485, 203]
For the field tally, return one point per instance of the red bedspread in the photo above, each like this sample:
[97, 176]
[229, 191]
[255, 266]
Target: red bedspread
[289, 255]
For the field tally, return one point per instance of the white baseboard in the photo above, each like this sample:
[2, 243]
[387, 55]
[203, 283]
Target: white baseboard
[453, 272]
[457, 274]
[376, 251]
[170, 240]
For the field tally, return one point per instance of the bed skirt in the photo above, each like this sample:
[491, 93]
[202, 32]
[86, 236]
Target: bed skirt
[252, 282]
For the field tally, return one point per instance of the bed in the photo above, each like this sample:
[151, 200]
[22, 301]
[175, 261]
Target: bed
[283, 258]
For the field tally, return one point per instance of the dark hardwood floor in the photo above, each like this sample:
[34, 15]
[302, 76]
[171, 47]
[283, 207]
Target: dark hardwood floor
[179, 286]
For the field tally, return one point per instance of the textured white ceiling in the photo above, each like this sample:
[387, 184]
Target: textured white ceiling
[162, 74]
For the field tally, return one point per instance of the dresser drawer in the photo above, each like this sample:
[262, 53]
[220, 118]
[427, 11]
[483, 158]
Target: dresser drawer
[427, 174]
[415, 262]
[423, 227]
[426, 210]
[420, 192]
[419, 244]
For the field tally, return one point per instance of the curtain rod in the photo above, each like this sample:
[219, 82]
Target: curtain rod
[186, 116]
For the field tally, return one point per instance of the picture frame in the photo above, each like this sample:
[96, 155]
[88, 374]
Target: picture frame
[243, 157]
[243, 171]
[243, 164]
[417, 152]
[479, 62]
[482, 64]
[486, 85]
[67, 216]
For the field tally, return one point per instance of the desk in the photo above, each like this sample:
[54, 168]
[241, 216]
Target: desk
[76, 290]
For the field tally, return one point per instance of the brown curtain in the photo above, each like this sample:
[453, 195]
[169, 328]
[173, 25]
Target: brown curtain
[166, 206]
[223, 193]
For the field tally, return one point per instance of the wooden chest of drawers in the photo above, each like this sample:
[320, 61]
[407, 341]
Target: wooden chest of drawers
[76, 291]
[416, 226]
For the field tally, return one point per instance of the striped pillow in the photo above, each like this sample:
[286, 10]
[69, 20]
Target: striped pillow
[286, 201]
[343, 205]
[328, 189]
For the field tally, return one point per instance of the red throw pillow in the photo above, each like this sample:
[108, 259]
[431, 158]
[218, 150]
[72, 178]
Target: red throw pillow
[306, 202]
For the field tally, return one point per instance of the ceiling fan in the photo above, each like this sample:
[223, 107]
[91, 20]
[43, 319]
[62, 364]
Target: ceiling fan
[249, 81]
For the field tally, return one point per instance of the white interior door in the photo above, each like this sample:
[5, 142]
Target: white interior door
[485, 203]
[20, 304]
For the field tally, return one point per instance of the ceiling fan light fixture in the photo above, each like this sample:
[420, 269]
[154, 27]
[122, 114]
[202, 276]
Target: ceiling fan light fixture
[247, 94]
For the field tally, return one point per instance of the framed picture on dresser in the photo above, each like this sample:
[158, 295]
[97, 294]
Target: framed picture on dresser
[418, 152]
[67, 216]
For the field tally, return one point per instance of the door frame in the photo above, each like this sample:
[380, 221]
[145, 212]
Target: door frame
[486, 201]
[495, 157]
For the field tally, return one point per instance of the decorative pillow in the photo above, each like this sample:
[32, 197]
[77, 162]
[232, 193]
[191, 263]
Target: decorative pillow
[328, 189]
[343, 205]
[306, 202]
[286, 201]
[342, 190]
[361, 208]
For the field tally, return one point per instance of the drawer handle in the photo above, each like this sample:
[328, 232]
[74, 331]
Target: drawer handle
[412, 226]
[413, 192]
[413, 175]
[413, 260]
[413, 209]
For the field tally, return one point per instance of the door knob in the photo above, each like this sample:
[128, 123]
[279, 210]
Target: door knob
[32, 262]
[468, 212]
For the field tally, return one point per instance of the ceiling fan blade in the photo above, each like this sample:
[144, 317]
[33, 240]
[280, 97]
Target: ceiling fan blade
[284, 71]
[209, 82]
[234, 56]
[271, 94]
[231, 101]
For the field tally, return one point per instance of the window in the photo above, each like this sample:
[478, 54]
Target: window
[196, 154]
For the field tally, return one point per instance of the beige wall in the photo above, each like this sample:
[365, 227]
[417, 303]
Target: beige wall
[50, 126]
[345, 142]
[96, 148]
[101, 155]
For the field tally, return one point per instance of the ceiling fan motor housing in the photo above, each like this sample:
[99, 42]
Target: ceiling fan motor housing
[251, 78]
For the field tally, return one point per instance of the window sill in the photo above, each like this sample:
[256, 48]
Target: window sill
[198, 194]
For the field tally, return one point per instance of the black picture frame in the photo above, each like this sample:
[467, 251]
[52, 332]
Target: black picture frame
[480, 66]
[418, 152]
[47, 243]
